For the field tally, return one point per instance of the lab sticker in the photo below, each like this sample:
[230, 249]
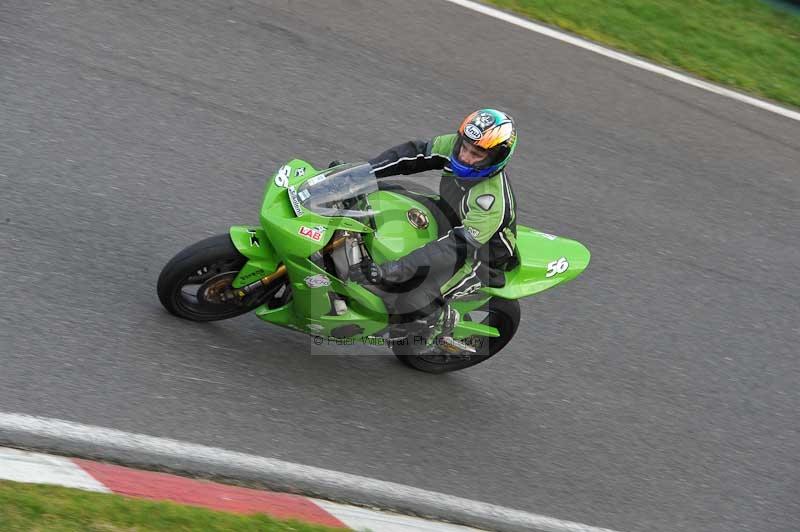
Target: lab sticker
[312, 233]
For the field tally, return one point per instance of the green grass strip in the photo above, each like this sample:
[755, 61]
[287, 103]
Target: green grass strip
[44, 508]
[746, 44]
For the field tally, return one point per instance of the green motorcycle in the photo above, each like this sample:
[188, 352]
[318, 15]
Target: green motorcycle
[293, 268]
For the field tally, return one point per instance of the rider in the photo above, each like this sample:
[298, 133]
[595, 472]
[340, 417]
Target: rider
[477, 196]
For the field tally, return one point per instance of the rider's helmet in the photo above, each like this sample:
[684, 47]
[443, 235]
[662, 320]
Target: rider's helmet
[486, 131]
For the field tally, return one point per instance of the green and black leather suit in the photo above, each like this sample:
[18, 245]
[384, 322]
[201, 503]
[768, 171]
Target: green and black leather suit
[478, 248]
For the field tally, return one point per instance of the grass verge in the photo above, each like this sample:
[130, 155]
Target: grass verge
[44, 508]
[747, 44]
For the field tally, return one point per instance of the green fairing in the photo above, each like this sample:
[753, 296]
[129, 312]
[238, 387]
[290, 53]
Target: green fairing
[545, 260]
[396, 237]
[308, 306]
[253, 243]
[536, 252]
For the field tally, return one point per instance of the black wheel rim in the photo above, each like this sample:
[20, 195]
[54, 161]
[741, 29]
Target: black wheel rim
[187, 294]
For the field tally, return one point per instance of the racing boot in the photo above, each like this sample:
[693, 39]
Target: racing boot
[446, 325]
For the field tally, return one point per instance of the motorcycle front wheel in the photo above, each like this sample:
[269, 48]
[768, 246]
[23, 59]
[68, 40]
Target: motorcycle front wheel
[194, 285]
[504, 314]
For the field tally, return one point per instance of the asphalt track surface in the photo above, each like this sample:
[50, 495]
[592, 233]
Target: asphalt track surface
[656, 392]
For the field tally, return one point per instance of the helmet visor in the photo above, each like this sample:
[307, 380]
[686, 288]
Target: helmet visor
[467, 153]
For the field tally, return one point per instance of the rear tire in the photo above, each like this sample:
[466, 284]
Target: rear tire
[214, 259]
[504, 314]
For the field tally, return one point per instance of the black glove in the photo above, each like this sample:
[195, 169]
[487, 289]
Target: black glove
[373, 272]
[366, 272]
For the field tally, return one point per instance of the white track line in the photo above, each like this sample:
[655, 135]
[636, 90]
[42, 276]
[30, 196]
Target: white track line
[630, 60]
[22, 466]
[364, 519]
[38, 468]
[23, 429]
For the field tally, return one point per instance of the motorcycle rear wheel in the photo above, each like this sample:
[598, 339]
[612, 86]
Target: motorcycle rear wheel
[204, 268]
[504, 314]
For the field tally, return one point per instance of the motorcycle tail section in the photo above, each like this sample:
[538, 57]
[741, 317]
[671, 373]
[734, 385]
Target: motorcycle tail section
[545, 261]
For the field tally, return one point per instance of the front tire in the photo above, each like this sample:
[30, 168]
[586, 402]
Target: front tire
[211, 264]
[504, 314]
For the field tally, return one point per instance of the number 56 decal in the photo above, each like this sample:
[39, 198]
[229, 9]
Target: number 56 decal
[556, 267]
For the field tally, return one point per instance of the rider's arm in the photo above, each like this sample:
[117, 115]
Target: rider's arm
[414, 156]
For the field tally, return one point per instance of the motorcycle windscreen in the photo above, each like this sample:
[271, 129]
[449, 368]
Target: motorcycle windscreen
[340, 191]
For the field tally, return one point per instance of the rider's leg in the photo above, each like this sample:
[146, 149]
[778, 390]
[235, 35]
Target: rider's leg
[414, 313]
[464, 282]
[425, 310]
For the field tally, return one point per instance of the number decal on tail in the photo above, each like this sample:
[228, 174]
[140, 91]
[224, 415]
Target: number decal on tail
[557, 266]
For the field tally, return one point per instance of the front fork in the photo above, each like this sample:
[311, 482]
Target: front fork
[262, 268]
